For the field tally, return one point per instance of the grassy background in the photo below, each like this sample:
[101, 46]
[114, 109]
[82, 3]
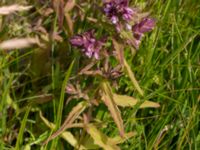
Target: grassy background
[167, 67]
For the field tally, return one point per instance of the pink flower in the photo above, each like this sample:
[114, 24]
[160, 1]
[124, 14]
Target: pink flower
[118, 11]
[146, 25]
[88, 44]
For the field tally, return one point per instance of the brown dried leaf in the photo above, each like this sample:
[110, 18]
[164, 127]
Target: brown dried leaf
[6, 10]
[108, 99]
[57, 37]
[65, 135]
[69, 5]
[73, 115]
[58, 6]
[18, 43]
[47, 12]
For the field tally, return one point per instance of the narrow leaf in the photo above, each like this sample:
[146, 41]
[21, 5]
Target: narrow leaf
[58, 6]
[112, 107]
[21, 130]
[132, 77]
[127, 101]
[62, 94]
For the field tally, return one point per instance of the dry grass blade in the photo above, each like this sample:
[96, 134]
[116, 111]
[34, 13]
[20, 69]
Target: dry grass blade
[18, 43]
[73, 115]
[100, 139]
[6, 10]
[108, 99]
[127, 101]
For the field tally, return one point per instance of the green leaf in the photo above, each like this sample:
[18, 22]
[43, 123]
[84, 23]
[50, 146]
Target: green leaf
[100, 139]
[21, 130]
[60, 107]
[119, 139]
[127, 101]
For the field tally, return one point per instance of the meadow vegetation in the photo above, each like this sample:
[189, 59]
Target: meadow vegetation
[95, 74]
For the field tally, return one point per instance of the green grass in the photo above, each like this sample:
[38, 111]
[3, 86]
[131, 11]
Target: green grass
[167, 67]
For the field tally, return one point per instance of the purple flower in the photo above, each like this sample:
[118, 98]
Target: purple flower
[146, 25]
[118, 11]
[87, 43]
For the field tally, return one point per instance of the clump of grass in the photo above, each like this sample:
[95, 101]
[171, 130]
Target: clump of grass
[55, 97]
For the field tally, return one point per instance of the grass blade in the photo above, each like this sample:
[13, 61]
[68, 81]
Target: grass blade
[60, 106]
[21, 131]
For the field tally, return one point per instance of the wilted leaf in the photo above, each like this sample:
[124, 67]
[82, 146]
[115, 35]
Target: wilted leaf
[100, 139]
[127, 101]
[108, 99]
[58, 6]
[18, 43]
[65, 135]
[69, 5]
[6, 10]
[73, 115]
